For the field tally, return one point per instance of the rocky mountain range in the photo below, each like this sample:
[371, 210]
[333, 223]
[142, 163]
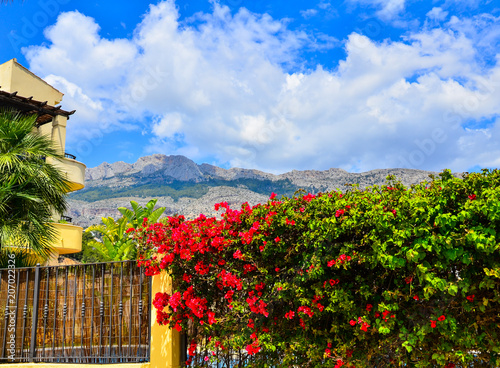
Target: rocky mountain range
[187, 188]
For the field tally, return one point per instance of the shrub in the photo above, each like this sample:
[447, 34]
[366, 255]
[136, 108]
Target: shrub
[366, 278]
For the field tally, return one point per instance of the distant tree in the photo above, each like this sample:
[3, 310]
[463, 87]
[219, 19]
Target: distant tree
[111, 242]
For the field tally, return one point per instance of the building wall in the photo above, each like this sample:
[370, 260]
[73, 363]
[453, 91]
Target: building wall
[16, 78]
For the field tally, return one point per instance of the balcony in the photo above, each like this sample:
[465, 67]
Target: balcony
[69, 238]
[74, 170]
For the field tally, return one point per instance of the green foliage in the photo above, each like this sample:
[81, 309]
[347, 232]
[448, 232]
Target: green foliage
[179, 189]
[114, 244]
[31, 190]
[88, 253]
[110, 241]
[386, 276]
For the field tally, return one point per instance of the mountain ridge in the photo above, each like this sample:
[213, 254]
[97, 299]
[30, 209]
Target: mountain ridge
[187, 188]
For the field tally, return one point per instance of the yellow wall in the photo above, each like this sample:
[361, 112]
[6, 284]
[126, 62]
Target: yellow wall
[14, 77]
[165, 343]
[69, 238]
[75, 172]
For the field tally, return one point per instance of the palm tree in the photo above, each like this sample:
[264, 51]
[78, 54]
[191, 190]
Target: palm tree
[32, 191]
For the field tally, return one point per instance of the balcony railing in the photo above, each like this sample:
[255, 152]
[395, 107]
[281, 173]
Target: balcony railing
[69, 155]
[67, 219]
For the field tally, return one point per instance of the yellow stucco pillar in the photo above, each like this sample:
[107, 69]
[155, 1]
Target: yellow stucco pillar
[165, 342]
[46, 129]
[59, 132]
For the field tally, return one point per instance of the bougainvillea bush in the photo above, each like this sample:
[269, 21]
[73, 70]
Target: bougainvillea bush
[386, 276]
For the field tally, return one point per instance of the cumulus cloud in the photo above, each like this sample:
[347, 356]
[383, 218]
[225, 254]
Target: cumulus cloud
[387, 9]
[234, 87]
[308, 13]
[437, 13]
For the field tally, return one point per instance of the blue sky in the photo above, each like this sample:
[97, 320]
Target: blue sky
[272, 85]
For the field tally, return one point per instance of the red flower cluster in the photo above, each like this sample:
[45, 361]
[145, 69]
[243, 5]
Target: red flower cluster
[341, 259]
[440, 319]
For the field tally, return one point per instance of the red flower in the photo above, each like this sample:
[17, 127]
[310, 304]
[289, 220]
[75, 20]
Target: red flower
[352, 322]
[433, 324]
[253, 348]
[369, 307]
[472, 197]
[211, 318]
[364, 326]
[416, 297]
[331, 263]
[470, 298]
[441, 318]
[277, 239]
[273, 195]
[290, 315]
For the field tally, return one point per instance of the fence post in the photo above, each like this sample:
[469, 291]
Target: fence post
[34, 315]
[165, 342]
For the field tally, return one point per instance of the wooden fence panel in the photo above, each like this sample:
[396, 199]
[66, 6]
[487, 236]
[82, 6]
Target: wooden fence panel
[91, 313]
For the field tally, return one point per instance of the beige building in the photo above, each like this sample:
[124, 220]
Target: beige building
[24, 91]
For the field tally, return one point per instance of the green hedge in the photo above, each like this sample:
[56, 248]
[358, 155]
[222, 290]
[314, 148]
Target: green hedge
[385, 276]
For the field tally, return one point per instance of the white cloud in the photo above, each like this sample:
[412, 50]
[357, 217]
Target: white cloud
[387, 9]
[233, 88]
[437, 13]
[308, 13]
[168, 125]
